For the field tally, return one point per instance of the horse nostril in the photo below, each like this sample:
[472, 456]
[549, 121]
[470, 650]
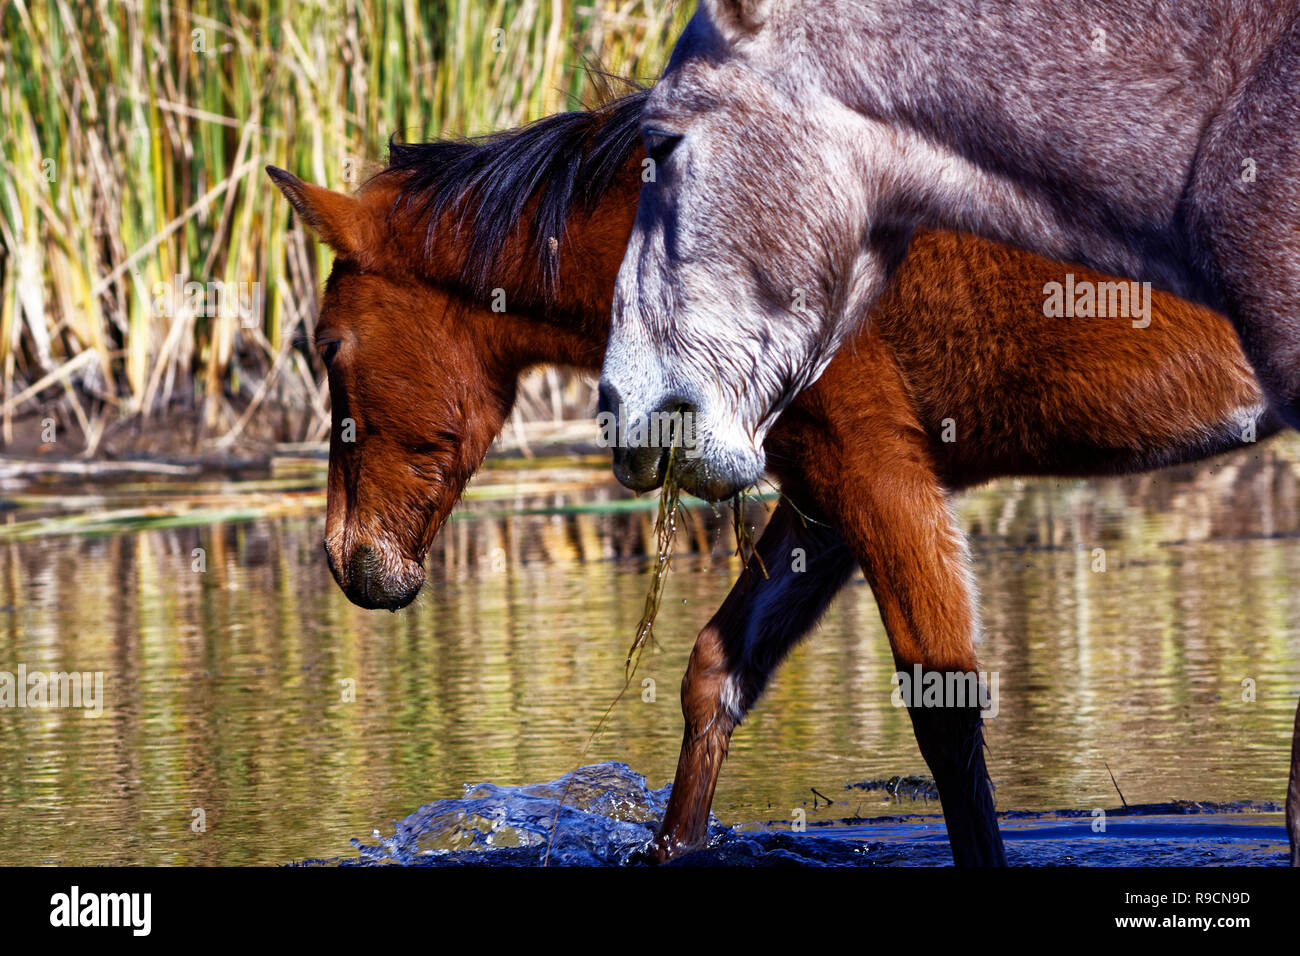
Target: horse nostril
[362, 564]
[676, 420]
[609, 403]
[607, 398]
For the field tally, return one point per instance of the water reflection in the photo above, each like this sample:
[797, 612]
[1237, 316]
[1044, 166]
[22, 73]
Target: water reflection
[252, 691]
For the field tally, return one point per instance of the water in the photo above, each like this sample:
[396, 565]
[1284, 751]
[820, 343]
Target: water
[252, 715]
[605, 814]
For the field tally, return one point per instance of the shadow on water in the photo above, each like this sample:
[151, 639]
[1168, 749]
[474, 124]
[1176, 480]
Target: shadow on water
[252, 715]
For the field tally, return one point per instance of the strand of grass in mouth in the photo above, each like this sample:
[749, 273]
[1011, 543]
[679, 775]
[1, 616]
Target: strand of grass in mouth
[670, 497]
[746, 546]
[738, 504]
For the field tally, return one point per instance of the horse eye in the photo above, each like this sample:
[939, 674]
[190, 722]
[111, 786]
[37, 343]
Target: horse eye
[660, 145]
[328, 352]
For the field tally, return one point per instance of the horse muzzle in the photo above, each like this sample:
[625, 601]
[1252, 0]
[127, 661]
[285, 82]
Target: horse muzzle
[371, 582]
[703, 464]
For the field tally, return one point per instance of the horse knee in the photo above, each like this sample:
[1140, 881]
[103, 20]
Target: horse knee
[711, 693]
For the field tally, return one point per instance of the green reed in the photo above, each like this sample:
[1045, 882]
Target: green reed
[132, 153]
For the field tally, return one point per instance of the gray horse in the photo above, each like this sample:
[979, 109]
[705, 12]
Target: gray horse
[798, 143]
[795, 145]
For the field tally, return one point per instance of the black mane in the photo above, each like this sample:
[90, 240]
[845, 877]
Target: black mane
[564, 160]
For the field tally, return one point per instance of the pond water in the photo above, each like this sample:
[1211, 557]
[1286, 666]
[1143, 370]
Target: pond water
[250, 714]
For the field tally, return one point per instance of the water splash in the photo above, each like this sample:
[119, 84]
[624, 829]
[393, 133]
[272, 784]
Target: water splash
[610, 814]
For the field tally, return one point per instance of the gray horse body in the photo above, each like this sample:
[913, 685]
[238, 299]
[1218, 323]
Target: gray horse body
[799, 143]
[1080, 143]
[1148, 140]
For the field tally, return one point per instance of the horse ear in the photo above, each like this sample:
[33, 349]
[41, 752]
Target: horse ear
[344, 223]
[738, 17]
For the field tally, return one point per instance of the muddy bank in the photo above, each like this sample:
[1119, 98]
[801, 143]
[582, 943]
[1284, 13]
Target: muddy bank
[176, 442]
[176, 433]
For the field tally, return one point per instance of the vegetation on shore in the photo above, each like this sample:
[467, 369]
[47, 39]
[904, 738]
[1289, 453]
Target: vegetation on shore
[147, 268]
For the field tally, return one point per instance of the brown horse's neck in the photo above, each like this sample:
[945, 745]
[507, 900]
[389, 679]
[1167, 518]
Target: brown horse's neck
[535, 321]
[526, 339]
[567, 322]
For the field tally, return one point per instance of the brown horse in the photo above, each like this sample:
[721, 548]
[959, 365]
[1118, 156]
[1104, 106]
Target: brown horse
[465, 263]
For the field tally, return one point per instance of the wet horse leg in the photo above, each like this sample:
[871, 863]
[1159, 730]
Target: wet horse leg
[876, 481]
[882, 497]
[915, 560]
[774, 604]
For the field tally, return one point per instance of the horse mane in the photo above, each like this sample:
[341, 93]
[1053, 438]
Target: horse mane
[563, 161]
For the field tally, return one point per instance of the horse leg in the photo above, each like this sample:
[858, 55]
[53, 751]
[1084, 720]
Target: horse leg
[876, 481]
[775, 603]
[1293, 793]
[951, 739]
[915, 560]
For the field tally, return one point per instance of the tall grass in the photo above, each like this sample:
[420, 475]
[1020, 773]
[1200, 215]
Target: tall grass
[131, 157]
